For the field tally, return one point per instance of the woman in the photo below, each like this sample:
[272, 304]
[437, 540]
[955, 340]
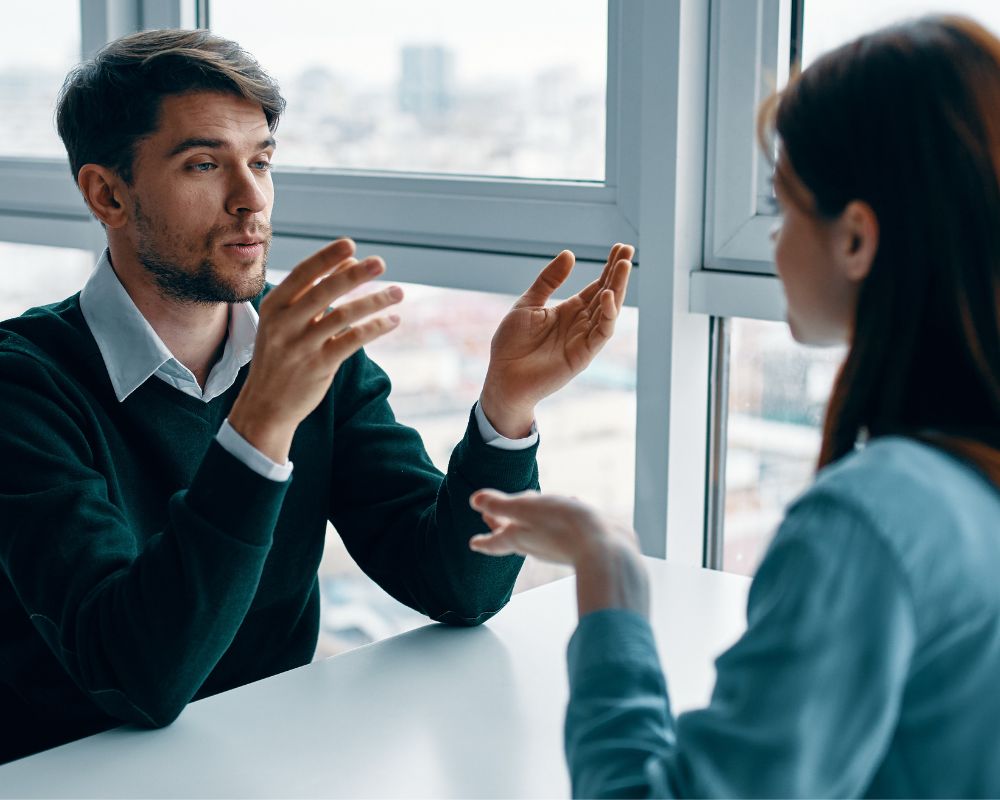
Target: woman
[871, 661]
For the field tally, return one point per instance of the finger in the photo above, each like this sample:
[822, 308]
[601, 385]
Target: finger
[345, 264]
[619, 282]
[494, 544]
[320, 263]
[609, 306]
[527, 508]
[338, 349]
[549, 279]
[613, 257]
[346, 314]
[591, 289]
[494, 523]
[602, 324]
[314, 302]
[618, 253]
[493, 501]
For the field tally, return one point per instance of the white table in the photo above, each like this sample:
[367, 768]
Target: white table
[436, 712]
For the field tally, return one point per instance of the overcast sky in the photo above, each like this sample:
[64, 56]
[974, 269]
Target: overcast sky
[511, 38]
[829, 23]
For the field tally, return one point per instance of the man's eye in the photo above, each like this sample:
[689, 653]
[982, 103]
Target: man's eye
[204, 166]
[263, 166]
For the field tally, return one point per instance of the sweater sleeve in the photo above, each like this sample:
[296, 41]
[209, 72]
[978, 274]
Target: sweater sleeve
[137, 623]
[406, 524]
[805, 703]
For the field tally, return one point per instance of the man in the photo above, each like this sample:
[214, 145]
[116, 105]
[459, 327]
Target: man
[156, 546]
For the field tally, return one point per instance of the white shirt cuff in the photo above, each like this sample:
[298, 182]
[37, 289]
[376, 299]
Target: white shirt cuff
[240, 449]
[494, 439]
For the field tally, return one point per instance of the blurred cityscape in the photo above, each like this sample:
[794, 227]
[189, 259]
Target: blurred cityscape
[550, 127]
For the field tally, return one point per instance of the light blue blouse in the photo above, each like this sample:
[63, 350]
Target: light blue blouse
[870, 665]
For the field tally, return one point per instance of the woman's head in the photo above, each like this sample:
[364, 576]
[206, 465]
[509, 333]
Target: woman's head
[889, 170]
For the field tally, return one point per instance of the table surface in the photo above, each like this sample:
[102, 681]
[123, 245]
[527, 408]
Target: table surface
[435, 712]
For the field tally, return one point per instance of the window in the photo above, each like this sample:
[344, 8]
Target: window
[41, 43]
[416, 105]
[33, 275]
[753, 43]
[439, 86]
[621, 86]
[777, 389]
[778, 392]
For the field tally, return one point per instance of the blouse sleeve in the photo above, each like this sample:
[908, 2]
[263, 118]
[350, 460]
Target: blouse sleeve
[805, 703]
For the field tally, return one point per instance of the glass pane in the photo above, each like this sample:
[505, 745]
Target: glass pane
[829, 23]
[443, 86]
[33, 275]
[437, 361]
[778, 391]
[41, 42]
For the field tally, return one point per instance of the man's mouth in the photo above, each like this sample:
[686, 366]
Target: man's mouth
[249, 248]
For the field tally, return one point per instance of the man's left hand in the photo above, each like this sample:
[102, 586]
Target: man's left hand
[537, 349]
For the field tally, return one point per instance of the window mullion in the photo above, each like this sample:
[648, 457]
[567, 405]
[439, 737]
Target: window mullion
[104, 20]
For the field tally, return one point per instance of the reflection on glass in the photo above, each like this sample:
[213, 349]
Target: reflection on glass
[38, 45]
[437, 361]
[443, 86]
[777, 397]
[829, 23]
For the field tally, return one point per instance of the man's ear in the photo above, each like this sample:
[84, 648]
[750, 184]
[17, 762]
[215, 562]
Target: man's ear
[104, 192]
[857, 240]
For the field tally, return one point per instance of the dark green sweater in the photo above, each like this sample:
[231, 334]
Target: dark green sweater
[143, 566]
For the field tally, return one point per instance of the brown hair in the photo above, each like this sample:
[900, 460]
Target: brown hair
[907, 119]
[110, 102]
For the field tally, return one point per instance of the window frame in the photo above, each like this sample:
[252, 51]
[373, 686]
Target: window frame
[737, 278]
[748, 70]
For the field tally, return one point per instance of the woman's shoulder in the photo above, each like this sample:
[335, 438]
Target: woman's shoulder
[900, 474]
[933, 515]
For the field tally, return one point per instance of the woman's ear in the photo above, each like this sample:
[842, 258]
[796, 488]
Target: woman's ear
[857, 240]
[104, 193]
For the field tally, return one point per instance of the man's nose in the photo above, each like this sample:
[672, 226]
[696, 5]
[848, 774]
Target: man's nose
[246, 194]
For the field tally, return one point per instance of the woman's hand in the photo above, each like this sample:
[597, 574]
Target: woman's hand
[605, 554]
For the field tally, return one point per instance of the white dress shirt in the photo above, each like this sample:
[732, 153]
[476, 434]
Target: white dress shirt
[133, 352]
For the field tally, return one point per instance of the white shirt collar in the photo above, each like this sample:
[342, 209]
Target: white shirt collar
[133, 352]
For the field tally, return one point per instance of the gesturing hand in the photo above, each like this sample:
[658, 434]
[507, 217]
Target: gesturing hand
[605, 554]
[301, 343]
[537, 350]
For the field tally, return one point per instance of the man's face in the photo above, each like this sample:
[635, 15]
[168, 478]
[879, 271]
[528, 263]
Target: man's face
[202, 198]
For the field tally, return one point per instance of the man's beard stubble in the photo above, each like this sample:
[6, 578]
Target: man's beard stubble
[202, 284]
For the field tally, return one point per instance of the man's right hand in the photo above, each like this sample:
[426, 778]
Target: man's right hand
[301, 343]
